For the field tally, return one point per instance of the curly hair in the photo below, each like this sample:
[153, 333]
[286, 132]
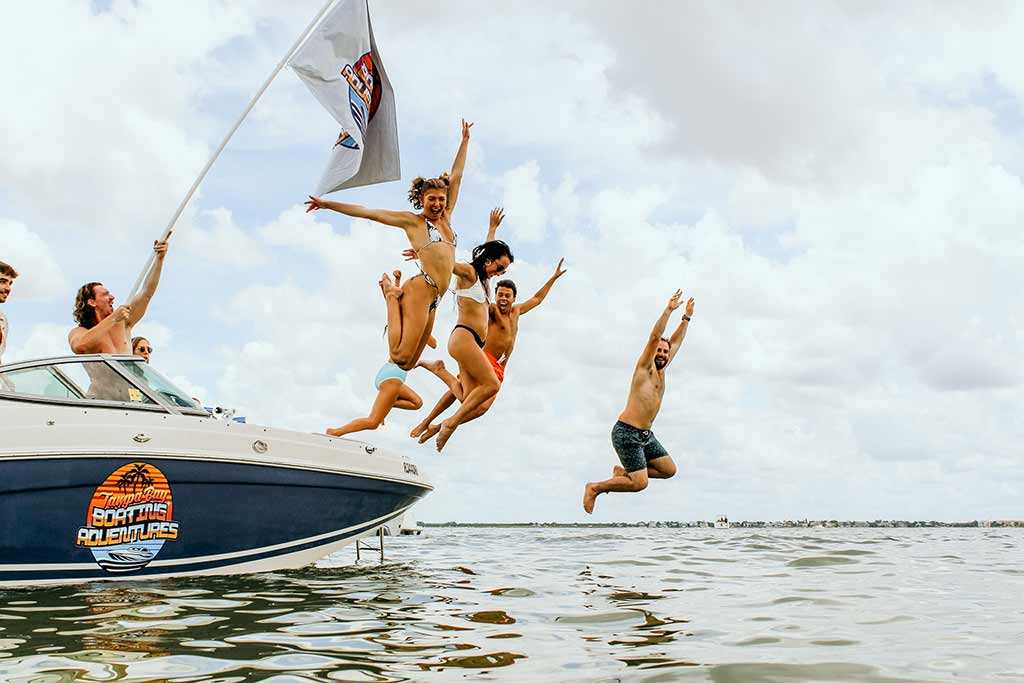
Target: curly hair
[85, 315]
[421, 185]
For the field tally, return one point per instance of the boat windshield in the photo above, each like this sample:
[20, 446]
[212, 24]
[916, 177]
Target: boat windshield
[145, 374]
[93, 380]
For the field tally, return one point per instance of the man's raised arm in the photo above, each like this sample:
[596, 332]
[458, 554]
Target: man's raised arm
[647, 356]
[141, 301]
[676, 340]
[542, 293]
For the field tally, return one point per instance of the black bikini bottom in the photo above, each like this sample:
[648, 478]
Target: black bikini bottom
[479, 341]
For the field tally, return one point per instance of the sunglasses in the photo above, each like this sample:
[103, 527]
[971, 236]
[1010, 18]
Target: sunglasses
[145, 349]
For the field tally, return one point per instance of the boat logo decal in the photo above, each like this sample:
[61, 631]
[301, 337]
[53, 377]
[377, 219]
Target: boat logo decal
[129, 518]
[410, 468]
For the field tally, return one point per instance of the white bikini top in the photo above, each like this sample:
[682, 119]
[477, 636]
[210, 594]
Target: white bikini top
[434, 235]
[475, 292]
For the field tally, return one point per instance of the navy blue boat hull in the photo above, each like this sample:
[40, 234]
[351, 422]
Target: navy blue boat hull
[215, 514]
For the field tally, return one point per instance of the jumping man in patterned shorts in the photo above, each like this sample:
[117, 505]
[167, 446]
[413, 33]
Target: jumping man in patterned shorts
[641, 454]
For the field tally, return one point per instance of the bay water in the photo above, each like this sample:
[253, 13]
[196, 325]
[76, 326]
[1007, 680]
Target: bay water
[557, 604]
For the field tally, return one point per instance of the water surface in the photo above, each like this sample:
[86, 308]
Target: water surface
[772, 605]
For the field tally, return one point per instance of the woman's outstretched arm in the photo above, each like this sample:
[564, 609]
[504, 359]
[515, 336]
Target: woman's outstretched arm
[397, 219]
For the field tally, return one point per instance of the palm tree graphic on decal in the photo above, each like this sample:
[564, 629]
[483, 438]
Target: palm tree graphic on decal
[135, 478]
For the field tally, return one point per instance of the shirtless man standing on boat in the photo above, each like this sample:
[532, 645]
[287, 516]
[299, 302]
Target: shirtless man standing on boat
[502, 330]
[101, 327]
[640, 453]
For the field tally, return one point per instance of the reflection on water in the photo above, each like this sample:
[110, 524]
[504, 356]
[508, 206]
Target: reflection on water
[555, 604]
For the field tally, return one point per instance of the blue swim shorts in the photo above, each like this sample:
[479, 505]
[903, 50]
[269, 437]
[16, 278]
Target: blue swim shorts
[389, 371]
[635, 447]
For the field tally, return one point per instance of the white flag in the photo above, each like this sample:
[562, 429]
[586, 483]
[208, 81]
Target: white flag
[340, 64]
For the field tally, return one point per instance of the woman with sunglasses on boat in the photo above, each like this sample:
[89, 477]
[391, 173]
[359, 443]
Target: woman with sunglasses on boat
[477, 382]
[141, 348]
[411, 308]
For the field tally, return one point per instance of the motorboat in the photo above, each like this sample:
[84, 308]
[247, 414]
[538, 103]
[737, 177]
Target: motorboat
[110, 471]
[722, 522]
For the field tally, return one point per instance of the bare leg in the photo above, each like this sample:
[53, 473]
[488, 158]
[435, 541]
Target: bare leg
[389, 391]
[408, 399]
[661, 468]
[437, 368]
[415, 324]
[478, 379]
[630, 481]
[443, 404]
[392, 294]
[480, 410]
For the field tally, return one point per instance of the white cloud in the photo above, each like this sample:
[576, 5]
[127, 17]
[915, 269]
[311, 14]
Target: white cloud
[522, 191]
[841, 199]
[223, 241]
[39, 276]
[41, 340]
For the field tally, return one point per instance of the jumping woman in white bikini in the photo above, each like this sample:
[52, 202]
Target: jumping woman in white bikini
[476, 382]
[411, 307]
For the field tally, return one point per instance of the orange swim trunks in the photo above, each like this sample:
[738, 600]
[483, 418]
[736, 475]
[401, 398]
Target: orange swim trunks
[499, 369]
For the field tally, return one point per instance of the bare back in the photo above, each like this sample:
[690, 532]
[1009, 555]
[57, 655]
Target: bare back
[646, 390]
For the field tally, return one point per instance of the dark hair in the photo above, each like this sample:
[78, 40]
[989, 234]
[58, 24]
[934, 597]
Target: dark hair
[507, 284]
[421, 185]
[85, 315]
[667, 341]
[488, 251]
[135, 342]
[8, 270]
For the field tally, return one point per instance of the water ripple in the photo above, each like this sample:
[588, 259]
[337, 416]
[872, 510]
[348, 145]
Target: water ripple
[772, 605]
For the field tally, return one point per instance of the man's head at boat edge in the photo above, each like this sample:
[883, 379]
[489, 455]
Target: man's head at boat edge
[505, 295]
[7, 277]
[430, 195]
[93, 303]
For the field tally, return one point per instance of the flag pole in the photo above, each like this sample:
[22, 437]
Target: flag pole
[252, 103]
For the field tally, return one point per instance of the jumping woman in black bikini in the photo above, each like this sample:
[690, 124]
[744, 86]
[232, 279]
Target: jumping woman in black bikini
[411, 308]
[476, 382]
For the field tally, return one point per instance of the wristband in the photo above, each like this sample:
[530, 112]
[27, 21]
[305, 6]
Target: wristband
[686, 317]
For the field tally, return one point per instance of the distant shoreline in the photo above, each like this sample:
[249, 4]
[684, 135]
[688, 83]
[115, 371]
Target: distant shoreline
[701, 524]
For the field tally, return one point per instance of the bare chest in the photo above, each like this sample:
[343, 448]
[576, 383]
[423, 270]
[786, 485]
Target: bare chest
[501, 333]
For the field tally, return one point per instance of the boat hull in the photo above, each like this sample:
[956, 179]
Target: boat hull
[93, 516]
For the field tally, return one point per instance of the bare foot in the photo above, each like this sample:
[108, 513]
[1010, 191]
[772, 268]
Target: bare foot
[618, 471]
[388, 287]
[430, 431]
[589, 498]
[435, 366]
[431, 342]
[398, 277]
[443, 434]
[335, 431]
[418, 429]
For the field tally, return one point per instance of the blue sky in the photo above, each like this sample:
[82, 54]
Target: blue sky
[842, 199]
